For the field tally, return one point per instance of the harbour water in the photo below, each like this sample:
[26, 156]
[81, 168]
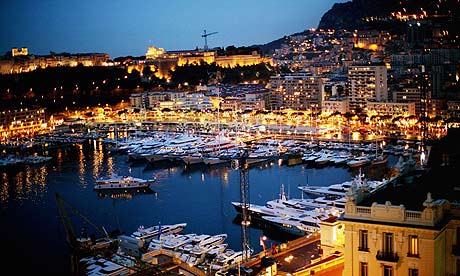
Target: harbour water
[33, 234]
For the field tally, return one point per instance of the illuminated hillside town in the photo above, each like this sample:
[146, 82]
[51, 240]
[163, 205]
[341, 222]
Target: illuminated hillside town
[357, 129]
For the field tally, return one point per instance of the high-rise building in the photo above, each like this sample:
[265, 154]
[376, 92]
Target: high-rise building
[367, 83]
[297, 91]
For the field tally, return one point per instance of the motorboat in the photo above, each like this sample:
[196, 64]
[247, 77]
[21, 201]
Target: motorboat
[122, 182]
[143, 233]
[100, 266]
[303, 224]
[358, 161]
[340, 189]
[271, 208]
[226, 258]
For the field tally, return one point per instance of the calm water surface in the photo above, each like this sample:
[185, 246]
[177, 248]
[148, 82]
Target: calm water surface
[32, 232]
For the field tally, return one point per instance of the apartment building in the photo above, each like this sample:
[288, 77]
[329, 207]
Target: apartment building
[297, 91]
[367, 83]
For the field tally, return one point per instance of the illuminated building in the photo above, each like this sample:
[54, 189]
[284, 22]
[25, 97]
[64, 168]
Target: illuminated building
[16, 123]
[371, 39]
[391, 108]
[410, 95]
[28, 63]
[231, 103]
[297, 91]
[151, 99]
[367, 83]
[253, 105]
[390, 239]
[167, 61]
[335, 105]
[332, 236]
[19, 51]
[154, 52]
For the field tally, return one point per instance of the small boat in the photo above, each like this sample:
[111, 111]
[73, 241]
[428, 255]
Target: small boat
[358, 161]
[122, 182]
[380, 159]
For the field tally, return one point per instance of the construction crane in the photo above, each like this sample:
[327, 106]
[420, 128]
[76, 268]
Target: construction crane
[74, 243]
[243, 167]
[205, 35]
[80, 248]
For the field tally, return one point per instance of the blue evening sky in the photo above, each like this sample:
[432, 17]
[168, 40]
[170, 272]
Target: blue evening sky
[122, 28]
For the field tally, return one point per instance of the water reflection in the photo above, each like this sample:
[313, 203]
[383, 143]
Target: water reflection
[114, 194]
[81, 165]
[98, 158]
[26, 184]
[4, 194]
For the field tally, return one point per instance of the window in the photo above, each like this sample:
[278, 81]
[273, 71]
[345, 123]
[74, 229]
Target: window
[413, 246]
[387, 270]
[362, 269]
[413, 272]
[388, 242]
[363, 240]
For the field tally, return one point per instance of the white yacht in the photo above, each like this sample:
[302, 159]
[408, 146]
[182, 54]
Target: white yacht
[99, 266]
[358, 161]
[340, 189]
[143, 233]
[226, 258]
[271, 208]
[319, 202]
[300, 225]
[122, 182]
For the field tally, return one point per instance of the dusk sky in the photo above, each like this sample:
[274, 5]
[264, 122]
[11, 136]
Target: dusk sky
[122, 28]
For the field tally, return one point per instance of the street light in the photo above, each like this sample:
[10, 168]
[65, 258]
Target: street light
[262, 243]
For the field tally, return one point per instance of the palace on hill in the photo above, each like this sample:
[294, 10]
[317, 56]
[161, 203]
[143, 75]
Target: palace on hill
[165, 61]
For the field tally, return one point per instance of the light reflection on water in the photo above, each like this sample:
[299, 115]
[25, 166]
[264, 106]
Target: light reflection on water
[27, 184]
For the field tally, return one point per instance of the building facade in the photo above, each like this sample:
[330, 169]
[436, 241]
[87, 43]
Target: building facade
[367, 83]
[390, 240]
[297, 91]
[15, 123]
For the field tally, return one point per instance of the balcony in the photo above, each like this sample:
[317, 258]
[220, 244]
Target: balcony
[387, 256]
[366, 249]
[456, 250]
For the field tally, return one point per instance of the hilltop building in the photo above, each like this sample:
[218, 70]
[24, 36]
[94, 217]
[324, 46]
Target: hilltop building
[21, 61]
[165, 61]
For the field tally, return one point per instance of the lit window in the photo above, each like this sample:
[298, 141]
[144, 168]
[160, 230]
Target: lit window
[413, 246]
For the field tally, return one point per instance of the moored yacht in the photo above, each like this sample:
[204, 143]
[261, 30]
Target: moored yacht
[122, 182]
[143, 233]
[340, 189]
[302, 224]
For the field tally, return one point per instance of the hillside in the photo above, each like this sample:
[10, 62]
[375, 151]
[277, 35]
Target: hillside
[350, 16]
